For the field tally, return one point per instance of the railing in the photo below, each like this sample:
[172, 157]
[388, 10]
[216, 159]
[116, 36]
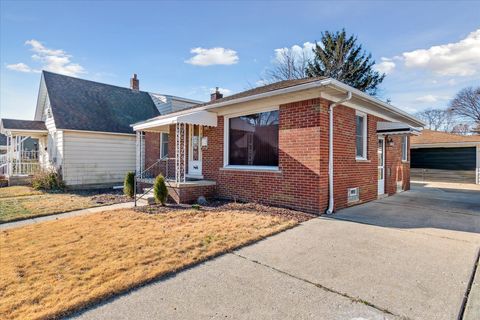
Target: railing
[25, 168]
[164, 166]
[3, 158]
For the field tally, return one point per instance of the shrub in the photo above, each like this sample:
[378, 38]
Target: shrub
[48, 180]
[160, 191]
[129, 184]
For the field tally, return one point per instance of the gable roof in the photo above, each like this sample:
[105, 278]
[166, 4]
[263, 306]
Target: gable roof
[79, 104]
[259, 90]
[14, 124]
[431, 137]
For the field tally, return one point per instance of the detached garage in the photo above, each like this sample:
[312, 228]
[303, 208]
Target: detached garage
[445, 157]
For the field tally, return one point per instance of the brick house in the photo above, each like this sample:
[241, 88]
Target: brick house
[272, 144]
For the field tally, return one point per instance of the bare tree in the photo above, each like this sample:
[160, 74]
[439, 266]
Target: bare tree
[288, 65]
[466, 104]
[437, 119]
[462, 128]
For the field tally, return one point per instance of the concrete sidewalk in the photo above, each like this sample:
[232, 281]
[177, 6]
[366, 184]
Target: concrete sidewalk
[21, 223]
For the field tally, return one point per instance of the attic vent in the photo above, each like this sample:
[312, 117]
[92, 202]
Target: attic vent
[353, 194]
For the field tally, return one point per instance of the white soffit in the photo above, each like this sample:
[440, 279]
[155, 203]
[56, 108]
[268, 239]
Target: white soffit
[204, 118]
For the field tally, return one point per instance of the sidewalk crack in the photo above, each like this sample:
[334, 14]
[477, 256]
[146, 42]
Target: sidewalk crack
[353, 299]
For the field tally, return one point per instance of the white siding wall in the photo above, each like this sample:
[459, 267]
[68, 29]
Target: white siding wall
[97, 158]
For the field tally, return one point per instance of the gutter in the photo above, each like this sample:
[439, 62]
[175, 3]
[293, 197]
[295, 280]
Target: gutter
[330, 151]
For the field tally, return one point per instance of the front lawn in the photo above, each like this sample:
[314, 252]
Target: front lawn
[18, 203]
[52, 268]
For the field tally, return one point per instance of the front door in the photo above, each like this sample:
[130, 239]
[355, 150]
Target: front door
[381, 165]
[195, 151]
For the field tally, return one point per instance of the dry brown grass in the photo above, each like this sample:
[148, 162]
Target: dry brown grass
[18, 191]
[24, 206]
[52, 268]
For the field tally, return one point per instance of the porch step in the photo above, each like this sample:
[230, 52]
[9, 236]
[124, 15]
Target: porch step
[19, 180]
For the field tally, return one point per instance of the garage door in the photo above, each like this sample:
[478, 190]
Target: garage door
[444, 164]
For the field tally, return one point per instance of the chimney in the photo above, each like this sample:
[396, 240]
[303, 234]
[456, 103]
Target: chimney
[134, 82]
[216, 95]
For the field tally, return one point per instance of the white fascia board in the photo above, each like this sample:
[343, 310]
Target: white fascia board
[201, 117]
[445, 145]
[369, 98]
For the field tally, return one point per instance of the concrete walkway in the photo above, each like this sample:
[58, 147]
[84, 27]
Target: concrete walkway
[356, 265]
[21, 223]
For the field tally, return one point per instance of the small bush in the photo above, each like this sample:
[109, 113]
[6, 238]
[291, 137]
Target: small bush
[160, 191]
[129, 184]
[48, 180]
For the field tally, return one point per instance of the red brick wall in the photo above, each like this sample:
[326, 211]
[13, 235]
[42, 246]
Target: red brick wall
[302, 180]
[396, 169]
[298, 184]
[152, 148]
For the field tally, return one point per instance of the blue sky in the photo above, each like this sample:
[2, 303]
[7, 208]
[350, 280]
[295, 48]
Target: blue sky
[429, 49]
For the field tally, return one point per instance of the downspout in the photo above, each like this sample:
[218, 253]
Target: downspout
[330, 151]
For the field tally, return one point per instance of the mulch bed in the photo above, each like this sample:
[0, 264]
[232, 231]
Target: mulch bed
[222, 205]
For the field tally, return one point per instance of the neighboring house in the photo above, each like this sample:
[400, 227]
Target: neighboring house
[448, 157]
[3, 144]
[83, 130]
[271, 145]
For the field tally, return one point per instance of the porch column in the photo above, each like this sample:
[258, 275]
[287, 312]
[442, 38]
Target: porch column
[140, 152]
[180, 154]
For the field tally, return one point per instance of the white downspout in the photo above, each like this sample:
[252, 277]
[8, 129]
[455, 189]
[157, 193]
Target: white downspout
[330, 151]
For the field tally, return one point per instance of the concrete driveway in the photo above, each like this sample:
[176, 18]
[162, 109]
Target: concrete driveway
[409, 256]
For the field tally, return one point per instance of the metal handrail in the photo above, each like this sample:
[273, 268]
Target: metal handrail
[139, 177]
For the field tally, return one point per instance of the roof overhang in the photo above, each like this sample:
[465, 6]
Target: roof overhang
[202, 117]
[395, 128]
[329, 89]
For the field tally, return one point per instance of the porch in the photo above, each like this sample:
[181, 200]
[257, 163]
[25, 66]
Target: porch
[25, 149]
[180, 155]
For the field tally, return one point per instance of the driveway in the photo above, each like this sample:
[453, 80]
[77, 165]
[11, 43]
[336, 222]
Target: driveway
[408, 256]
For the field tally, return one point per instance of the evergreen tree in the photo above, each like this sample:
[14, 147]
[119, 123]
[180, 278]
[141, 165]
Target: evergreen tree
[340, 57]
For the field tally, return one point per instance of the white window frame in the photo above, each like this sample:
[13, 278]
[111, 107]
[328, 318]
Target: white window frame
[226, 140]
[404, 148]
[161, 144]
[365, 135]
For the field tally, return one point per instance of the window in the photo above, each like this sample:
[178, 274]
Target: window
[163, 145]
[361, 136]
[404, 148]
[253, 140]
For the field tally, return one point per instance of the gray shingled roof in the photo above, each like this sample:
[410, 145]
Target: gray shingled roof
[79, 104]
[15, 124]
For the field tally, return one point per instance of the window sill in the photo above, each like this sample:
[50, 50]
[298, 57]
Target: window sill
[362, 160]
[251, 168]
[405, 161]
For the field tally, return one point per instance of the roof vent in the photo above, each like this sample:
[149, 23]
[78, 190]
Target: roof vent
[134, 82]
[216, 95]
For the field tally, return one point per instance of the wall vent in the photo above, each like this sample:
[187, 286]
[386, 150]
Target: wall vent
[353, 194]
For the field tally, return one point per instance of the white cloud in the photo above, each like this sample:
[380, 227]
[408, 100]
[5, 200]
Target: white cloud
[21, 67]
[386, 66]
[214, 56]
[453, 59]
[430, 98]
[55, 60]
[298, 51]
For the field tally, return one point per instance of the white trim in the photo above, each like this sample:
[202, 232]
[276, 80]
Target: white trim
[99, 132]
[365, 135]
[379, 191]
[252, 168]
[204, 118]
[445, 145]
[226, 140]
